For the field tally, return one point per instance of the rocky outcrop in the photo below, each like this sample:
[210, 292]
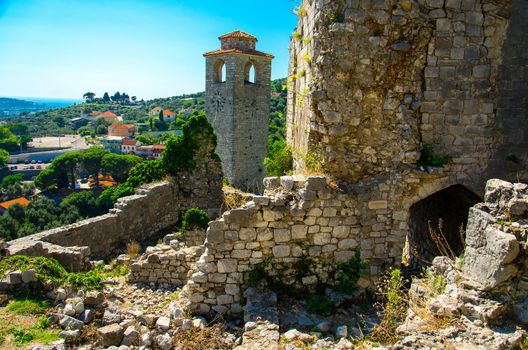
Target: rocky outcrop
[496, 236]
[477, 300]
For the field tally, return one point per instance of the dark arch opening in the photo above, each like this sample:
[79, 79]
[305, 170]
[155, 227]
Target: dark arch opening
[250, 73]
[445, 211]
[219, 71]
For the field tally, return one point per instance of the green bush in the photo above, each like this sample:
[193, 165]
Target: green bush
[429, 158]
[279, 161]
[195, 218]
[349, 272]
[321, 305]
[145, 172]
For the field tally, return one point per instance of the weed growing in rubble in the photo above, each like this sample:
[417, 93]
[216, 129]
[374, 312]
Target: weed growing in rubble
[132, 249]
[349, 273]
[394, 302]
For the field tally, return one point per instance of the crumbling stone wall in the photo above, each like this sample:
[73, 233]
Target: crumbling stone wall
[374, 80]
[302, 218]
[154, 208]
[171, 262]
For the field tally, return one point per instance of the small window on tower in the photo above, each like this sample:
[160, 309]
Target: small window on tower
[250, 73]
[219, 73]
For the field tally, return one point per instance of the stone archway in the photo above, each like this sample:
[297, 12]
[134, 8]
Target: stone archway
[447, 208]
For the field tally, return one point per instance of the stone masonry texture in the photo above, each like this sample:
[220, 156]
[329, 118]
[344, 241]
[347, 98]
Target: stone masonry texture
[239, 110]
[373, 80]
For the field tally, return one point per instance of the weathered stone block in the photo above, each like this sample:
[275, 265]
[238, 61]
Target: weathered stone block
[281, 251]
[227, 265]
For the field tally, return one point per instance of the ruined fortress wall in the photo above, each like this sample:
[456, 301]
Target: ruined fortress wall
[373, 80]
[306, 219]
[152, 209]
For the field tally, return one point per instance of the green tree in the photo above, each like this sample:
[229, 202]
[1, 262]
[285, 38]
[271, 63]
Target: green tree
[160, 116]
[146, 172]
[68, 162]
[43, 214]
[119, 166]
[4, 158]
[91, 161]
[279, 161]
[106, 97]
[8, 141]
[46, 179]
[83, 202]
[144, 139]
[116, 97]
[59, 121]
[101, 130]
[89, 96]
[11, 179]
[8, 227]
[17, 212]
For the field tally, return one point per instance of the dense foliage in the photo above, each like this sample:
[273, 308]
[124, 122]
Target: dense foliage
[43, 213]
[197, 141]
[279, 160]
[194, 218]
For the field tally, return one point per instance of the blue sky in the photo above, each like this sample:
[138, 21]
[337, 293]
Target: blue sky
[63, 48]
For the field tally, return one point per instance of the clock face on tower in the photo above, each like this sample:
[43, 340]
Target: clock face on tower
[217, 102]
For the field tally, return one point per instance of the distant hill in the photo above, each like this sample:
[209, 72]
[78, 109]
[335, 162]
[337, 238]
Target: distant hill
[13, 106]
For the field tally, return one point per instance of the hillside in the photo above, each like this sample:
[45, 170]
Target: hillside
[59, 120]
[13, 106]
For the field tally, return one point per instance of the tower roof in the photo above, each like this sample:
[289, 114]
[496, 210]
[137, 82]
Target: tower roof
[239, 51]
[238, 34]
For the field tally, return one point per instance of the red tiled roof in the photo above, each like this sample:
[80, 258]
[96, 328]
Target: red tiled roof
[158, 147]
[121, 126]
[155, 109]
[109, 114]
[237, 34]
[239, 51]
[22, 201]
[129, 142]
[168, 112]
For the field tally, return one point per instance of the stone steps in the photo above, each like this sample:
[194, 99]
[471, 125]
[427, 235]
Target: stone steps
[261, 317]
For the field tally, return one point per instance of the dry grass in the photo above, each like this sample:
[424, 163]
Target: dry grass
[395, 300]
[233, 198]
[132, 249]
[203, 339]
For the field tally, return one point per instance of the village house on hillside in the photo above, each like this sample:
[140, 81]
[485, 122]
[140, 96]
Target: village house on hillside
[111, 117]
[129, 146]
[155, 111]
[169, 116]
[112, 143]
[123, 130]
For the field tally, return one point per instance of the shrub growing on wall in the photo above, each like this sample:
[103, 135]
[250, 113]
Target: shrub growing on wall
[197, 142]
[195, 218]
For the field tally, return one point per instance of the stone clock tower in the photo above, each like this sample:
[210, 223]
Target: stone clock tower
[238, 79]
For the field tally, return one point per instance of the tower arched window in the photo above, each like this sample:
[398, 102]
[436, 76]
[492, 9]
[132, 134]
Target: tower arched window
[219, 73]
[250, 73]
